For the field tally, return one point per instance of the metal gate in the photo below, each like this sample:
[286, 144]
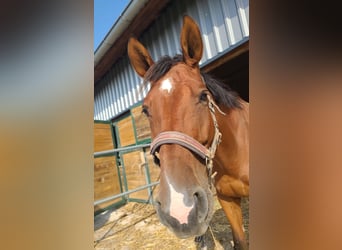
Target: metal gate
[132, 167]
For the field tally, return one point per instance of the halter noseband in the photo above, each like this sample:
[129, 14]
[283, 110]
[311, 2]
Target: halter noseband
[175, 137]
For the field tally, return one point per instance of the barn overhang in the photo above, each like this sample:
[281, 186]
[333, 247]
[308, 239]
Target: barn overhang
[137, 16]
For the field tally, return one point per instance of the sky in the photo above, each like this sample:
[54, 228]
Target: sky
[106, 12]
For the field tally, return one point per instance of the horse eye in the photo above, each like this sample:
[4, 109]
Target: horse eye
[203, 97]
[145, 110]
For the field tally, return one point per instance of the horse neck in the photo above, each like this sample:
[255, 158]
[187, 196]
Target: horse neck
[233, 152]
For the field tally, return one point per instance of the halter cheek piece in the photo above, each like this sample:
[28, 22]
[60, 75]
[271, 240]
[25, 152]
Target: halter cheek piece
[175, 137]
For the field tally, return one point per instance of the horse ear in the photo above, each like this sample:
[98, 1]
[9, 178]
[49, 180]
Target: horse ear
[139, 56]
[191, 42]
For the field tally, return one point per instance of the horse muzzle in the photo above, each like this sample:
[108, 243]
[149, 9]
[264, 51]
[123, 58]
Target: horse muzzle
[186, 215]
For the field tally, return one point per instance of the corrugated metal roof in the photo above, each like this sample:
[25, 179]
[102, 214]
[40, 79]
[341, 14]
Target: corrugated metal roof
[223, 24]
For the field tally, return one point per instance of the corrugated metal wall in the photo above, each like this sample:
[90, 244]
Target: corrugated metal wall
[223, 24]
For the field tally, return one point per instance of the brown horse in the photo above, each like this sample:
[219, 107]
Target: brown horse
[200, 138]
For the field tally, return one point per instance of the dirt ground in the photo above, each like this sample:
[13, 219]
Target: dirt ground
[136, 226]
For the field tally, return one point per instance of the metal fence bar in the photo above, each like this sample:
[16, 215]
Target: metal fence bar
[125, 193]
[124, 149]
[118, 150]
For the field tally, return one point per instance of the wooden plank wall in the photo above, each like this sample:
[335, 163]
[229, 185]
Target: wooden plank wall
[134, 163]
[141, 124]
[126, 131]
[106, 178]
[102, 137]
[135, 173]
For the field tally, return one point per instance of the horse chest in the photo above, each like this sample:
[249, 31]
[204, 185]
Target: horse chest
[231, 187]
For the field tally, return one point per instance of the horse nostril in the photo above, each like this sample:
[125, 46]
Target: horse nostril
[157, 203]
[196, 195]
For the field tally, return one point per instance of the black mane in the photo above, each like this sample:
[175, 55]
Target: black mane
[160, 68]
[220, 91]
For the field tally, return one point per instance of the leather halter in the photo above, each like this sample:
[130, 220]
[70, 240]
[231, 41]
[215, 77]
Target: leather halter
[175, 137]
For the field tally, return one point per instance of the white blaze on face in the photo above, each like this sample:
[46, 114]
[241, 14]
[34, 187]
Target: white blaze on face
[166, 85]
[178, 209]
